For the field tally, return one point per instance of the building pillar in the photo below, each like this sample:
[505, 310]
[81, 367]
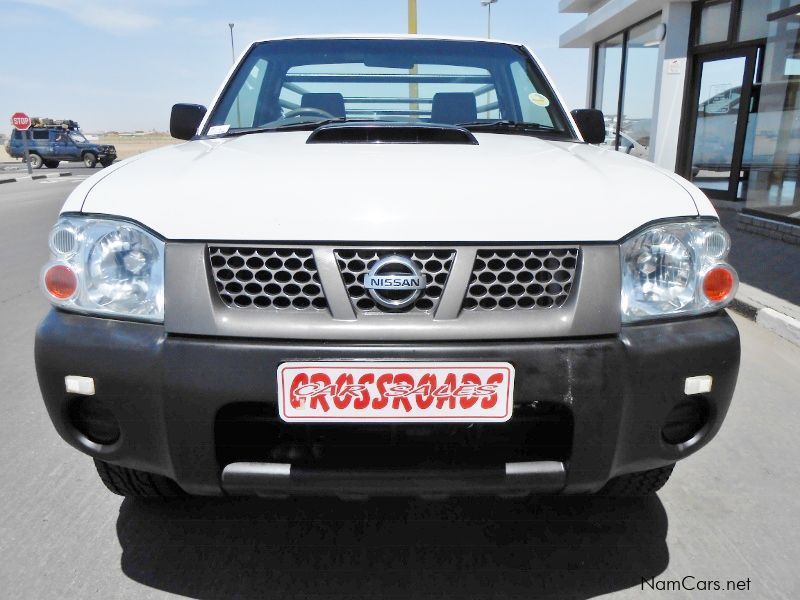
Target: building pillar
[670, 84]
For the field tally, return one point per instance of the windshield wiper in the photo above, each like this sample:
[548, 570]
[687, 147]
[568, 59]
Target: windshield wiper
[303, 125]
[506, 126]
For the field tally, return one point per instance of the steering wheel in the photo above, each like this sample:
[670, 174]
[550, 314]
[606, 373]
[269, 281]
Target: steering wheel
[308, 110]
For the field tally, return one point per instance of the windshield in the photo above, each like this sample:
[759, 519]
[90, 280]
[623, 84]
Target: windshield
[78, 138]
[292, 83]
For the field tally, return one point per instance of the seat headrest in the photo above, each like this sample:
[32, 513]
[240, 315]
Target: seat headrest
[454, 107]
[331, 103]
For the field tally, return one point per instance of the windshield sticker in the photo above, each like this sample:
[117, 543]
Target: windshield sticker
[218, 129]
[539, 100]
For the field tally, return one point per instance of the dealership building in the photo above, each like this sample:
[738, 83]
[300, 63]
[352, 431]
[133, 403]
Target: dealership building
[708, 89]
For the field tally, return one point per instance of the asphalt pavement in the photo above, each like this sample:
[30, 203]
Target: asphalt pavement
[729, 512]
[767, 264]
[18, 169]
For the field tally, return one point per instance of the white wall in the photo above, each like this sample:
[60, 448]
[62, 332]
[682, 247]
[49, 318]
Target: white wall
[670, 85]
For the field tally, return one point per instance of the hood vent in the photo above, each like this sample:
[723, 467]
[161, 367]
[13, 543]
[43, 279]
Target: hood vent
[390, 133]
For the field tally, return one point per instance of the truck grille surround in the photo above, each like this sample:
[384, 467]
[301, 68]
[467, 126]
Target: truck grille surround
[281, 278]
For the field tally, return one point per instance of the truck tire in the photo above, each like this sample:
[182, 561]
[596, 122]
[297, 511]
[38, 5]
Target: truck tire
[51, 164]
[89, 160]
[35, 161]
[136, 484]
[644, 483]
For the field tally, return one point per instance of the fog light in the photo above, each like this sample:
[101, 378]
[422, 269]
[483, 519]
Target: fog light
[701, 384]
[75, 384]
[685, 420]
[92, 418]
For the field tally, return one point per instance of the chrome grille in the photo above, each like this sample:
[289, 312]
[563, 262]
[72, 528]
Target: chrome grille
[260, 277]
[537, 278]
[435, 265]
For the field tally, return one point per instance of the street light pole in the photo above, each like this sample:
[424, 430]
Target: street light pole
[413, 87]
[233, 62]
[412, 16]
[489, 3]
[233, 53]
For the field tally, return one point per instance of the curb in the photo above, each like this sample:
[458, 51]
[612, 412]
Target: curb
[772, 313]
[35, 177]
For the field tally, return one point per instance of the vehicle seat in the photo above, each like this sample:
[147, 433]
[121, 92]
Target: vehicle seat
[454, 107]
[330, 103]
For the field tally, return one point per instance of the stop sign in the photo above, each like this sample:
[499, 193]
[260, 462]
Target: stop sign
[21, 121]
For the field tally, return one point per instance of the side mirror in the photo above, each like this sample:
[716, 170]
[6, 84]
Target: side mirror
[591, 123]
[185, 119]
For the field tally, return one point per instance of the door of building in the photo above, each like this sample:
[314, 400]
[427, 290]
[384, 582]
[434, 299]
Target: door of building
[722, 93]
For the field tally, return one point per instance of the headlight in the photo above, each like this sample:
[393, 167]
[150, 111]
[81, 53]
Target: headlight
[105, 267]
[676, 269]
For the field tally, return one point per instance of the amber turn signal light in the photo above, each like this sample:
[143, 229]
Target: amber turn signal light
[718, 284]
[60, 282]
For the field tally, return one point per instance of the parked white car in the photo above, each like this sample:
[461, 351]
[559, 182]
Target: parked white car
[627, 144]
[387, 265]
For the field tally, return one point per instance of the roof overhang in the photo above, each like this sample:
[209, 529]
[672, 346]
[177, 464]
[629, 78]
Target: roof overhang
[609, 19]
[578, 6]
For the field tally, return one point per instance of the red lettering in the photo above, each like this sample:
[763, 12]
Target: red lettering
[300, 380]
[363, 402]
[341, 400]
[490, 401]
[469, 381]
[405, 381]
[320, 398]
[424, 399]
[382, 401]
[446, 395]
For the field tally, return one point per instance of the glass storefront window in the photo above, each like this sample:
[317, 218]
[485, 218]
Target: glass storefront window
[637, 49]
[641, 70]
[753, 21]
[607, 83]
[771, 157]
[714, 22]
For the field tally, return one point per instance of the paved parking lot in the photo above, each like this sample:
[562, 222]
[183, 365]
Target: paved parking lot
[730, 512]
[18, 169]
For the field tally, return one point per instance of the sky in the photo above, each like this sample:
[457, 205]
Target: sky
[121, 64]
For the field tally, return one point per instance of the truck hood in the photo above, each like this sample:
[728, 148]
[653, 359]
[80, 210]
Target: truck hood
[274, 186]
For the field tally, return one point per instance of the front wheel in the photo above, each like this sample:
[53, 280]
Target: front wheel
[35, 161]
[89, 160]
[643, 483]
[136, 484]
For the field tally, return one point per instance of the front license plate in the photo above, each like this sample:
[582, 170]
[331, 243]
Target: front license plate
[395, 392]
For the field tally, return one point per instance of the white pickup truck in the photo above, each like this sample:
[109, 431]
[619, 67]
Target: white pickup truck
[387, 265]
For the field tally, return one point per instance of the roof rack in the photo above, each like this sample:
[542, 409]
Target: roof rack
[44, 123]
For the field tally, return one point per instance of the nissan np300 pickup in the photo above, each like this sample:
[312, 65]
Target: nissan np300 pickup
[387, 265]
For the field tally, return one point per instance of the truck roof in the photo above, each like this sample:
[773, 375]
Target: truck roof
[386, 36]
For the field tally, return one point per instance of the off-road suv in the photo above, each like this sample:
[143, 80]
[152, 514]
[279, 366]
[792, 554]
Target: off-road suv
[50, 142]
[387, 266]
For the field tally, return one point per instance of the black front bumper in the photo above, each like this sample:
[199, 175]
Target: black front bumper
[168, 392]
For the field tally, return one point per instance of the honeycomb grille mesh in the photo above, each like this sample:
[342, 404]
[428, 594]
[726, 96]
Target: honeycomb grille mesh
[258, 277]
[435, 265]
[521, 279]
